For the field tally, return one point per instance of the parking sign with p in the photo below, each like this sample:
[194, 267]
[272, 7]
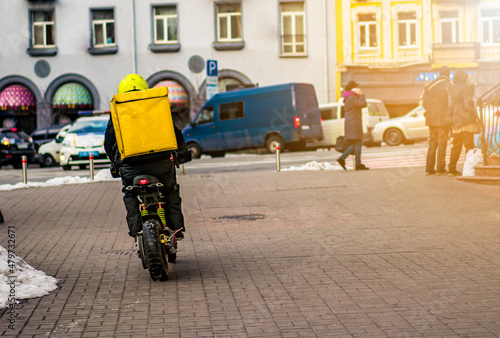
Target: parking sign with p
[212, 68]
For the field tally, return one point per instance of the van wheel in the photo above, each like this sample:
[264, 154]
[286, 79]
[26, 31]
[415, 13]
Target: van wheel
[393, 137]
[273, 142]
[195, 150]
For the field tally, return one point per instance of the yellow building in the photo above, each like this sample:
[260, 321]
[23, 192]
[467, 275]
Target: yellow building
[392, 48]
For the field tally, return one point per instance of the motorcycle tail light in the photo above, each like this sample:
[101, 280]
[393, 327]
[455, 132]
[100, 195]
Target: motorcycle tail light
[141, 182]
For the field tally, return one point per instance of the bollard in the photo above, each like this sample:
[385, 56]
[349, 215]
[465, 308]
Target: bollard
[24, 162]
[91, 166]
[278, 159]
[182, 169]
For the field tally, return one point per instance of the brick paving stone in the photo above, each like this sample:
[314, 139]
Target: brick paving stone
[380, 253]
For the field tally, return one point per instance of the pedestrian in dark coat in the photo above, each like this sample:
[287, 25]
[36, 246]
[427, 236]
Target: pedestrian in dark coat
[436, 100]
[354, 101]
[465, 119]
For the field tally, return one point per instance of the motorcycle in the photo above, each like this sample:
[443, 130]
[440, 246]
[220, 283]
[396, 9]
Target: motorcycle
[157, 243]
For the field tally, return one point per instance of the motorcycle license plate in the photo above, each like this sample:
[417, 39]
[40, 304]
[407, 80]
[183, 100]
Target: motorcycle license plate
[87, 153]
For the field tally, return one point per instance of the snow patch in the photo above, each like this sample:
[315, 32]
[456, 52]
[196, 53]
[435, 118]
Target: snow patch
[28, 282]
[314, 166]
[101, 175]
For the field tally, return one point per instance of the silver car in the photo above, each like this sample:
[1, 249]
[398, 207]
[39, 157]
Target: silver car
[404, 129]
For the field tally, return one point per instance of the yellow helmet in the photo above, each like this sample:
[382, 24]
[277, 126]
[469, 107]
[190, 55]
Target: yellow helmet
[132, 82]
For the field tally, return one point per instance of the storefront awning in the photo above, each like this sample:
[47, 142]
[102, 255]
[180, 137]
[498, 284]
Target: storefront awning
[177, 95]
[17, 97]
[73, 95]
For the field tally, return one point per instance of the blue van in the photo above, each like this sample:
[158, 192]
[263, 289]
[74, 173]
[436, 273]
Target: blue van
[285, 115]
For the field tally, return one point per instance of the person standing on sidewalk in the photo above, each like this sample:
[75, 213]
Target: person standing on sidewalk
[436, 100]
[465, 119]
[354, 101]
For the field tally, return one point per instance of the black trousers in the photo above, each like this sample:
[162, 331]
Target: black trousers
[164, 170]
[465, 139]
[438, 141]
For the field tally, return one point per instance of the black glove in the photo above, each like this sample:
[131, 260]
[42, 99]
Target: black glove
[184, 157]
[115, 172]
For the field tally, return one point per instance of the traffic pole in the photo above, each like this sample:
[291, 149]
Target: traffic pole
[278, 165]
[91, 166]
[24, 162]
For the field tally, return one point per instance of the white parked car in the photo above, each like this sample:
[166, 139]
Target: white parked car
[49, 152]
[333, 119]
[404, 129]
[85, 137]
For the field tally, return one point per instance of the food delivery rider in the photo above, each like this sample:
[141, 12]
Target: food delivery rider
[160, 165]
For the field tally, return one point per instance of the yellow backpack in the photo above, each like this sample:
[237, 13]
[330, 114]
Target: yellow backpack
[143, 122]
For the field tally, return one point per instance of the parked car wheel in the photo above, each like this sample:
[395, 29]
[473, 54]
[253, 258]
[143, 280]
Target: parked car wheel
[273, 142]
[195, 149]
[393, 137]
[47, 161]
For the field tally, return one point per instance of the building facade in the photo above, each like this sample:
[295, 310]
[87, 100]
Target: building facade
[58, 57]
[393, 47]
[61, 56]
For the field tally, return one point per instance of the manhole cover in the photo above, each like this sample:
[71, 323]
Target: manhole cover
[129, 252]
[241, 217]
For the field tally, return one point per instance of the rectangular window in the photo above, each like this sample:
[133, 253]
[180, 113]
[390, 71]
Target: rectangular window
[228, 22]
[490, 19]
[293, 28]
[43, 29]
[165, 24]
[103, 28]
[367, 31]
[231, 111]
[448, 23]
[407, 29]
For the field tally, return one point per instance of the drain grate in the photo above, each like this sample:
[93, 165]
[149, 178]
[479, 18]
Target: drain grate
[129, 252]
[240, 217]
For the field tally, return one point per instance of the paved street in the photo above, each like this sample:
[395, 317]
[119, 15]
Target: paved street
[382, 253]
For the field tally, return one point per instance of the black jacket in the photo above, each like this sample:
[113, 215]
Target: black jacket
[464, 111]
[437, 103]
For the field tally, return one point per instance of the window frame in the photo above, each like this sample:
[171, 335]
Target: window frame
[228, 18]
[227, 44]
[157, 47]
[104, 23]
[44, 24]
[408, 24]
[455, 27]
[102, 49]
[489, 20]
[42, 50]
[367, 25]
[294, 43]
[165, 20]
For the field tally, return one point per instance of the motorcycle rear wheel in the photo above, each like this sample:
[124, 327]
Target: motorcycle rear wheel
[154, 251]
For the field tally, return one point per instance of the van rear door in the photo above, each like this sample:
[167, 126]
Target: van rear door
[308, 111]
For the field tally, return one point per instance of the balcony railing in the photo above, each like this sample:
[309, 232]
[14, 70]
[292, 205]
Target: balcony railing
[453, 53]
[489, 109]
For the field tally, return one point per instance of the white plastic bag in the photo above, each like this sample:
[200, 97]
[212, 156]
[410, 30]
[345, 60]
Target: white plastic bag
[473, 158]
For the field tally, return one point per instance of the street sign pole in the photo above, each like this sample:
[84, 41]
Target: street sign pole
[212, 86]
